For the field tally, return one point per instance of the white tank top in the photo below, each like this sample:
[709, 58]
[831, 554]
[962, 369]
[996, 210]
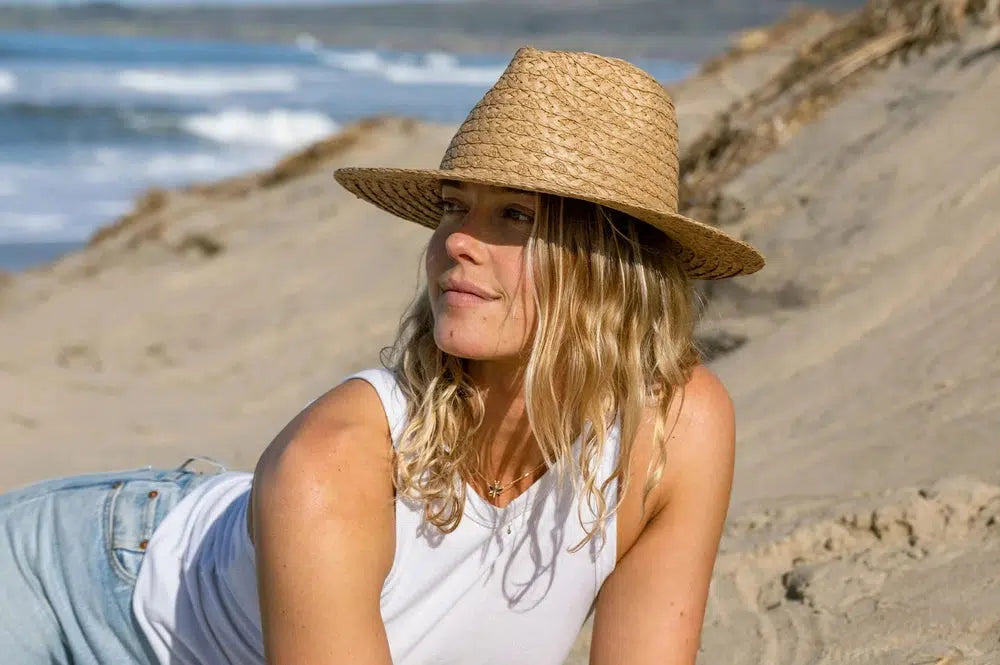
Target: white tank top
[501, 588]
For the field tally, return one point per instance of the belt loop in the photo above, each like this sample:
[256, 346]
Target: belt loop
[221, 467]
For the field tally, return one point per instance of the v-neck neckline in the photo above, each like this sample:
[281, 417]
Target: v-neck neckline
[487, 514]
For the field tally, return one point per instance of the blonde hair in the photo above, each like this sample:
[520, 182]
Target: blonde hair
[614, 335]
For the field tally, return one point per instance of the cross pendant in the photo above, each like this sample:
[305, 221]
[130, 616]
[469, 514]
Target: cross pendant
[494, 489]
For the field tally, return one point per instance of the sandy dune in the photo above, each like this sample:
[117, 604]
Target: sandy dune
[138, 352]
[872, 363]
[866, 519]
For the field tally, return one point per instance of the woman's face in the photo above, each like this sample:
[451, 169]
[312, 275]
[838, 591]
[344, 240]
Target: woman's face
[478, 290]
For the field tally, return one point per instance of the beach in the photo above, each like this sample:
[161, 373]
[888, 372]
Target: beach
[857, 151]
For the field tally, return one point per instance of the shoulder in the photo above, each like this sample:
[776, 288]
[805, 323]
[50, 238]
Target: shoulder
[702, 408]
[323, 527]
[654, 600]
[700, 435]
[334, 457]
[348, 421]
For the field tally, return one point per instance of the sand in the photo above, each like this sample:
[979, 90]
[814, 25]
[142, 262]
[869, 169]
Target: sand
[754, 57]
[865, 525]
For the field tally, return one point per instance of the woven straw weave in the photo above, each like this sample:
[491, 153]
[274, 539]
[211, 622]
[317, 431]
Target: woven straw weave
[577, 125]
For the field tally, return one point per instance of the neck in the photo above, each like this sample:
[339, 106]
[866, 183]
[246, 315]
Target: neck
[508, 448]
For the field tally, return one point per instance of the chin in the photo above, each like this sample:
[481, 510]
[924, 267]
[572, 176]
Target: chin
[470, 343]
[463, 344]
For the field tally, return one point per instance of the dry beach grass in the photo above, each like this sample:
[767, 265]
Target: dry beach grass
[865, 525]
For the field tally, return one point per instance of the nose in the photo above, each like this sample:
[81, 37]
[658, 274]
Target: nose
[465, 241]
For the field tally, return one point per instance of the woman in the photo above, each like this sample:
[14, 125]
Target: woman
[543, 444]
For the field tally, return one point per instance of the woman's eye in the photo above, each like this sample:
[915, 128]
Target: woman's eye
[520, 216]
[450, 207]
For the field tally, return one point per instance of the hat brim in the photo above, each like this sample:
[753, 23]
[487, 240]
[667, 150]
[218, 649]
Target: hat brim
[415, 195]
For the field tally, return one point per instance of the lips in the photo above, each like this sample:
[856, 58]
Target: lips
[463, 291]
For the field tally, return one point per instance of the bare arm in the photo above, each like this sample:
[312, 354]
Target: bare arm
[323, 527]
[651, 608]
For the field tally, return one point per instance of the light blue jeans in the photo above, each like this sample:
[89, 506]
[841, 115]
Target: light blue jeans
[70, 549]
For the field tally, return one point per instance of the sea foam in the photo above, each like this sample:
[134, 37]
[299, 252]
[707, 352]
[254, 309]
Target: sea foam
[307, 42]
[208, 83]
[429, 68]
[278, 128]
[8, 82]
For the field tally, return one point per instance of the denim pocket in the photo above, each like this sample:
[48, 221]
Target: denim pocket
[135, 507]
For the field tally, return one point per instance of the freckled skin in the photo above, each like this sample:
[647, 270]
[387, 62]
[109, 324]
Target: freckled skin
[481, 240]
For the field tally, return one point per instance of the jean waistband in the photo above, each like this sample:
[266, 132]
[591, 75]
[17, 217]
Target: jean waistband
[220, 467]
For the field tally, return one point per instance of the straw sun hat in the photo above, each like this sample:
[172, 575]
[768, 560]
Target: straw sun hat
[577, 125]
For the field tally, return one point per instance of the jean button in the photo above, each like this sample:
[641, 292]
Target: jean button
[153, 494]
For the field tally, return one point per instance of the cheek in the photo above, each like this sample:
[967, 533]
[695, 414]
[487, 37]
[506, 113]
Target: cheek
[435, 257]
[521, 288]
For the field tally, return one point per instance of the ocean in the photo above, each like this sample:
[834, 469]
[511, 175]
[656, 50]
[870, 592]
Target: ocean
[88, 123]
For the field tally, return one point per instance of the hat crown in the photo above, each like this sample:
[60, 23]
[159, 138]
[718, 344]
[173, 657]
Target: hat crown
[574, 123]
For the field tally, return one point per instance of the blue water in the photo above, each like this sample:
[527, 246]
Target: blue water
[20, 255]
[87, 123]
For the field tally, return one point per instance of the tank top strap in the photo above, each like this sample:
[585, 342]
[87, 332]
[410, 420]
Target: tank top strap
[392, 398]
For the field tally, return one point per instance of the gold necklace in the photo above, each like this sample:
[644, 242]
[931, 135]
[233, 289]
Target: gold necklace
[495, 488]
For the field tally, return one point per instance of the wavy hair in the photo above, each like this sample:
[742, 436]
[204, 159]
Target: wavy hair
[613, 336]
